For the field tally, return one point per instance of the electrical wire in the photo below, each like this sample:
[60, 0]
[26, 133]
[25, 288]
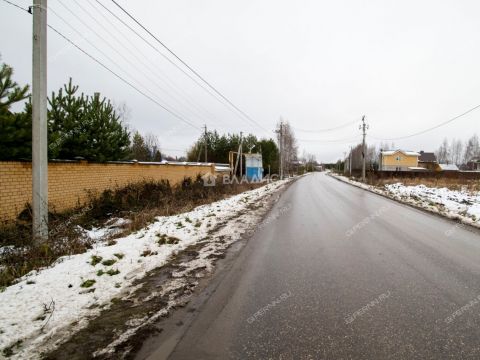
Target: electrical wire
[189, 106]
[327, 129]
[246, 116]
[115, 63]
[125, 81]
[430, 129]
[110, 70]
[346, 140]
[155, 69]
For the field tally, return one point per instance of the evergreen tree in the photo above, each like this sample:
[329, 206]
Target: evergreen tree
[139, 150]
[85, 126]
[15, 128]
[10, 92]
[218, 147]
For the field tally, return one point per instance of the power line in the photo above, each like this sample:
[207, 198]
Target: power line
[167, 58]
[17, 6]
[346, 140]
[432, 128]
[125, 81]
[154, 68]
[193, 111]
[111, 71]
[132, 64]
[327, 129]
[189, 67]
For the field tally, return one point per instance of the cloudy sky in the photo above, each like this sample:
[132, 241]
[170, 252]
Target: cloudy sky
[406, 65]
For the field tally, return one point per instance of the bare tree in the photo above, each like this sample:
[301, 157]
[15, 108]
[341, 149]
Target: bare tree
[290, 147]
[456, 152]
[153, 146]
[443, 152]
[472, 149]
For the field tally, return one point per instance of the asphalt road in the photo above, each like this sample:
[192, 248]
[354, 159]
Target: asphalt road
[336, 272]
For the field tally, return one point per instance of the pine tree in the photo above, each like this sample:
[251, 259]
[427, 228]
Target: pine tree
[139, 150]
[85, 126]
[15, 128]
[10, 92]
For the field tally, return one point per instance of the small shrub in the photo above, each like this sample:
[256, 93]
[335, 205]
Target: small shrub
[149, 253]
[95, 260]
[119, 256]
[100, 272]
[165, 239]
[112, 272]
[87, 283]
[109, 262]
[111, 242]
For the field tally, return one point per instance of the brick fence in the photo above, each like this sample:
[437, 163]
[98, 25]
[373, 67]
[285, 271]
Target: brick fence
[69, 182]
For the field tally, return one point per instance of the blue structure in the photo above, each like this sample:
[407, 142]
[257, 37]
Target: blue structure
[253, 167]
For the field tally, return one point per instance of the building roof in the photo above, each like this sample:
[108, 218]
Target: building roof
[249, 155]
[448, 167]
[427, 157]
[405, 152]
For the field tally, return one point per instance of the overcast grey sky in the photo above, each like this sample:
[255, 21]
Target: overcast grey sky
[407, 65]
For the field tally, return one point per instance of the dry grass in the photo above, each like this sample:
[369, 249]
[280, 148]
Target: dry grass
[450, 183]
[140, 203]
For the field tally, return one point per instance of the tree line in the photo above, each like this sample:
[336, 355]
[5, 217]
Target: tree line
[79, 126]
[219, 146]
[459, 152]
[93, 128]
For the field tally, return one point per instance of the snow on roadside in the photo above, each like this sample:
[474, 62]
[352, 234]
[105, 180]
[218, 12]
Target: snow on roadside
[43, 306]
[451, 203]
[459, 205]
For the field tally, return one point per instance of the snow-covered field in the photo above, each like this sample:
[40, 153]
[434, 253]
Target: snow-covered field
[46, 307]
[460, 205]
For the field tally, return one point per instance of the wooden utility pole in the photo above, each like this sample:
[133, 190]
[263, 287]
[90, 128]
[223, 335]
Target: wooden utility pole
[39, 123]
[206, 143]
[364, 128]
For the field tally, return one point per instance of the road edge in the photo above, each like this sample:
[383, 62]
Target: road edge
[454, 218]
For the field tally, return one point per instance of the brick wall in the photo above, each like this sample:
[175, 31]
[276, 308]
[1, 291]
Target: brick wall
[69, 182]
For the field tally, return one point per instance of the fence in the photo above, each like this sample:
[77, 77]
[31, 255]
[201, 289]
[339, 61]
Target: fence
[70, 182]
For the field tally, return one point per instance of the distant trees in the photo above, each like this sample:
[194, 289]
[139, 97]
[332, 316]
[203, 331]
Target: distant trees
[218, 147]
[372, 156]
[78, 125]
[290, 146]
[145, 148]
[309, 161]
[457, 152]
[472, 149]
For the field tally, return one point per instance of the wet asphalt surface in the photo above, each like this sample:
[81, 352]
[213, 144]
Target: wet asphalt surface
[336, 272]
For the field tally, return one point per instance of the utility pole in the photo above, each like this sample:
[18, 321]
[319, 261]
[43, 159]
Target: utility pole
[206, 144]
[241, 155]
[280, 145]
[39, 123]
[363, 127]
[350, 160]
